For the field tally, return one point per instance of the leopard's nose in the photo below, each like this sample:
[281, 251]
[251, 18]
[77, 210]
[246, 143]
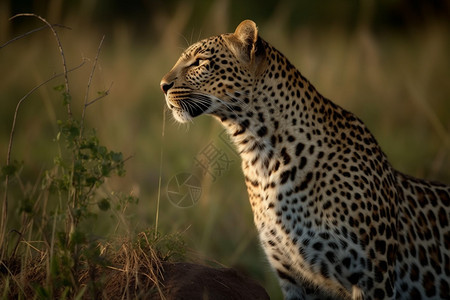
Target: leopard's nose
[165, 86]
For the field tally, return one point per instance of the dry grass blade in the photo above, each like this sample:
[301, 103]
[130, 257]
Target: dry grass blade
[4, 266]
[135, 270]
[160, 170]
[153, 263]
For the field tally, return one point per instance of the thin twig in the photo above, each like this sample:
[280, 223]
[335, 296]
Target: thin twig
[86, 97]
[31, 32]
[103, 95]
[66, 78]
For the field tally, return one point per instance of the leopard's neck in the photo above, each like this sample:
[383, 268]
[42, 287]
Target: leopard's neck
[276, 135]
[280, 118]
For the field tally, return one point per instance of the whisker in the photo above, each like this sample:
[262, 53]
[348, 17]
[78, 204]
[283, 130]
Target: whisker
[185, 39]
[192, 33]
[199, 35]
[197, 101]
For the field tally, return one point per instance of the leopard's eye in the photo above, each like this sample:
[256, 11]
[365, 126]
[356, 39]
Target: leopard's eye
[198, 61]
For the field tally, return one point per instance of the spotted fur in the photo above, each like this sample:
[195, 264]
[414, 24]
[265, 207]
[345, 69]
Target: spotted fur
[335, 219]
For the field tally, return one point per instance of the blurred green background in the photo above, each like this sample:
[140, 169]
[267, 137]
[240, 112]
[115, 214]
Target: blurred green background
[387, 61]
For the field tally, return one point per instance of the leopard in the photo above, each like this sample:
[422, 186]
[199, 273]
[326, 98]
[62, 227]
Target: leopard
[334, 218]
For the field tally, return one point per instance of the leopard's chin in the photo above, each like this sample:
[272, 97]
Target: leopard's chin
[181, 115]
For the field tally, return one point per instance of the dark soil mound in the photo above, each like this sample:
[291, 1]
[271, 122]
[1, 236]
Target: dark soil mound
[192, 281]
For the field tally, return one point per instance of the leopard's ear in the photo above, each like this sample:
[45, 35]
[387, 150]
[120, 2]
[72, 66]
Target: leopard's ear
[246, 44]
[247, 33]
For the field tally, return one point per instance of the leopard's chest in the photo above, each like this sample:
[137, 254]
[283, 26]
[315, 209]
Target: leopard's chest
[296, 242]
[273, 186]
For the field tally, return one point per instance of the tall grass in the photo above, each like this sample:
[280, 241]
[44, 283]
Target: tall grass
[395, 81]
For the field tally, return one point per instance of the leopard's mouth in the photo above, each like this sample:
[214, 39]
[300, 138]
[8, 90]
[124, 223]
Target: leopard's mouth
[189, 106]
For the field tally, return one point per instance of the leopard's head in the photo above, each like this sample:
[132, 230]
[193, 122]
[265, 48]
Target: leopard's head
[216, 75]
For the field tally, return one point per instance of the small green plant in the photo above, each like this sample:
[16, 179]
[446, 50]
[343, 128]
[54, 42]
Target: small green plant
[61, 211]
[78, 174]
